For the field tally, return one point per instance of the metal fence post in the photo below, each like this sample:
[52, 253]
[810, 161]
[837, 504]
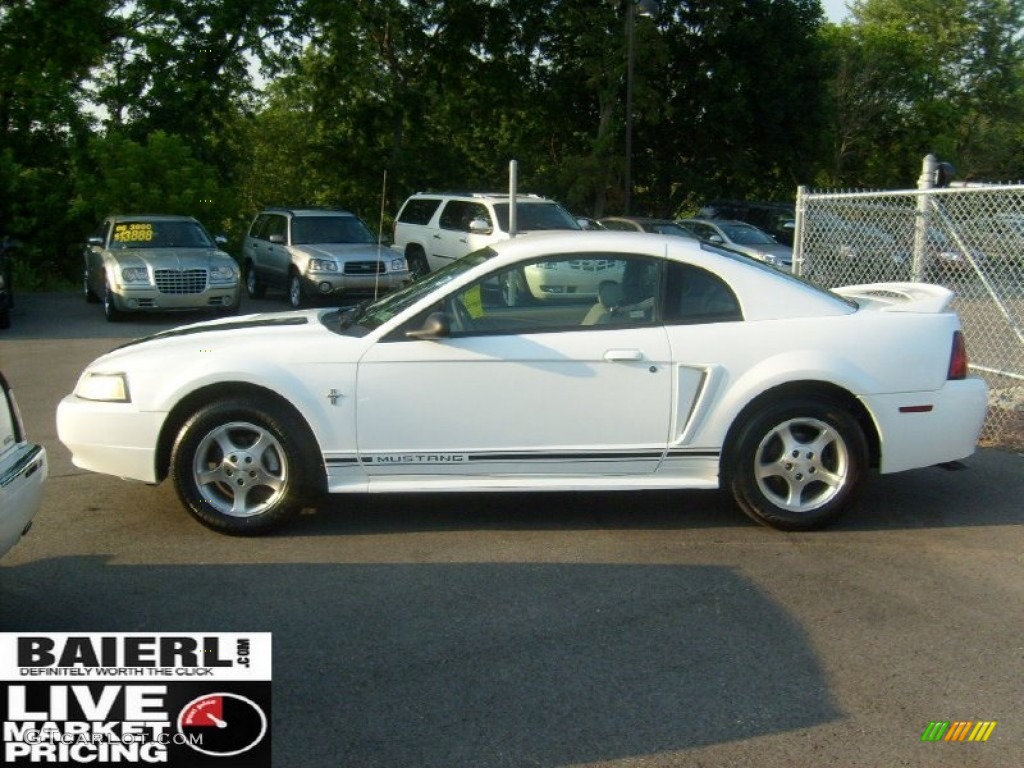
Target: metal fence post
[798, 231]
[921, 225]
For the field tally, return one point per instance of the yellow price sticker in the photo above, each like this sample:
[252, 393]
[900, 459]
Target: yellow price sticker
[139, 232]
[473, 299]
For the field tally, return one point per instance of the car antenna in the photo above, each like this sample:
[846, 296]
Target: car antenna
[380, 234]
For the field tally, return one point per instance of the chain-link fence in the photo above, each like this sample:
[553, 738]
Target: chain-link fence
[970, 239]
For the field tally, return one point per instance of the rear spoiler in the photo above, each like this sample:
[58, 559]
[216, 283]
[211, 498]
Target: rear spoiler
[899, 297]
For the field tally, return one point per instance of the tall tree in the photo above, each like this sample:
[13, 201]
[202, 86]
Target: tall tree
[914, 76]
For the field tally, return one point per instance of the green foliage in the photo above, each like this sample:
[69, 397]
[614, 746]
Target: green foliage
[158, 176]
[156, 105]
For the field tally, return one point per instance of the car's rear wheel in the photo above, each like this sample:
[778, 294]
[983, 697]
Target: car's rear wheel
[244, 467]
[798, 463]
[253, 286]
[89, 293]
[110, 310]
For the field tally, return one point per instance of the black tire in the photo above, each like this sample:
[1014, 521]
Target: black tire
[110, 310]
[254, 287]
[418, 265]
[296, 293]
[89, 293]
[244, 466]
[797, 463]
[5, 318]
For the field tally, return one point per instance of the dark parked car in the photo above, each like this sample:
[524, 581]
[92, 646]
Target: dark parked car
[6, 281]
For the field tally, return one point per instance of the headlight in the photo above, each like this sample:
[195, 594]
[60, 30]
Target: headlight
[135, 275]
[322, 265]
[105, 387]
[223, 273]
[399, 265]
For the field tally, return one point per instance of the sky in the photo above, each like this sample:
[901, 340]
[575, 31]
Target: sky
[835, 10]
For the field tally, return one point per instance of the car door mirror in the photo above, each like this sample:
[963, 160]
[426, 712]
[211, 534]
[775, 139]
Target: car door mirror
[221, 240]
[276, 239]
[480, 227]
[716, 239]
[95, 241]
[437, 325]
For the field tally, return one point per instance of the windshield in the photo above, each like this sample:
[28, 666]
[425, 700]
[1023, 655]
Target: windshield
[671, 228]
[746, 235]
[159, 234]
[308, 230]
[372, 315]
[534, 216]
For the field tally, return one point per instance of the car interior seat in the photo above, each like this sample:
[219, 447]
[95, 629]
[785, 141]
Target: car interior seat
[609, 298]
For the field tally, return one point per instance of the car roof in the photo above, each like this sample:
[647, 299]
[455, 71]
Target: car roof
[310, 211]
[492, 196]
[149, 217]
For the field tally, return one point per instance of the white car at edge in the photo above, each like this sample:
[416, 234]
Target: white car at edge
[696, 369]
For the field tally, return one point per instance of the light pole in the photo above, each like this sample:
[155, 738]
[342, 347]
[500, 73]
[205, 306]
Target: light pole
[643, 8]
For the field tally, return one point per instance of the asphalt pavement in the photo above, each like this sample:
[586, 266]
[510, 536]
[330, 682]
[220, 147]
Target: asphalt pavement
[618, 630]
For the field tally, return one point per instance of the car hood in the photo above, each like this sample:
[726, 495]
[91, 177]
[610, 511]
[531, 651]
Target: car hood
[170, 258]
[344, 250]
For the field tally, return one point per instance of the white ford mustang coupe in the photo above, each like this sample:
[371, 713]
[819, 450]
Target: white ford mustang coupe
[692, 368]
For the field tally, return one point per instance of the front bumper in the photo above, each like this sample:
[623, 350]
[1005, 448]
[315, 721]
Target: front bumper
[149, 299]
[110, 438]
[330, 283]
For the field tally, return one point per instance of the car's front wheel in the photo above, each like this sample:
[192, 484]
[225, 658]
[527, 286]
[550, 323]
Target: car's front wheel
[296, 296]
[244, 466]
[253, 286]
[110, 310]
[797, 463]
[418, 266]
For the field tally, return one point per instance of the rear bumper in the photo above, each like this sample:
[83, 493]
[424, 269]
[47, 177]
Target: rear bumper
[919, 429]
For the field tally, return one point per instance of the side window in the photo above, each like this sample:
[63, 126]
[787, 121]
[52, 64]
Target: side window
[457, 215]
[258, 228]
[694, 295]
[102, 231]
[276, 225]
[419, 211]
[578, 292]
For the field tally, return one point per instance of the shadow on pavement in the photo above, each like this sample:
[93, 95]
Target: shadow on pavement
[470, 665]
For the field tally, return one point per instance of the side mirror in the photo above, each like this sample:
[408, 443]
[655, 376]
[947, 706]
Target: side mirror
[276, 239]
[437, 326]
[95, 241]
[480, 227]
[716, 239]
[221, 240]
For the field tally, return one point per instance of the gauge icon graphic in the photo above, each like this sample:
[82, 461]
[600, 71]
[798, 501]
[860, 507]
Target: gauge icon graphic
[222, 724]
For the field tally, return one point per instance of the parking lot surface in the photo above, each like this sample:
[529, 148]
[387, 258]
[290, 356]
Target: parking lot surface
[640, 630]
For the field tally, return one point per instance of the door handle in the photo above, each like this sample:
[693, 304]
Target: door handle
[623, 355]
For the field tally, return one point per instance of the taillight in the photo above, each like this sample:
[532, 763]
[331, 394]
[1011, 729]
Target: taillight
[958, 357]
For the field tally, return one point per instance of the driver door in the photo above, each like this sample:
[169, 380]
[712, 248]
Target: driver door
[522, 390]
